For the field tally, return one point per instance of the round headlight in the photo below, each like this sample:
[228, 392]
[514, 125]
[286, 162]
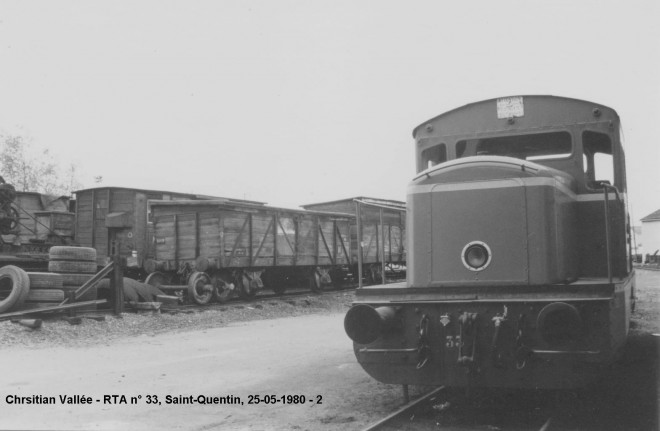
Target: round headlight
[476, 255]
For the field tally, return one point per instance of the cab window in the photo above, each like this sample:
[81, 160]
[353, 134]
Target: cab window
[433, 156]
[597, 159]
[534, 147]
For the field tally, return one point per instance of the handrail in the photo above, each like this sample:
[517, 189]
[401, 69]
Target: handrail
[606, 188]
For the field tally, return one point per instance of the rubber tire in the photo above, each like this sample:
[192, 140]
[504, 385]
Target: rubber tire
[72, 266]
[60, 252]
[45, 295]
[193, 282]
[19, 289]
[45, 280]
[73, 279]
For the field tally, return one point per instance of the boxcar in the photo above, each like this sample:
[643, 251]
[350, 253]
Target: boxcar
[519, 269]
[115, 214]
[376, 251]
[217, 247]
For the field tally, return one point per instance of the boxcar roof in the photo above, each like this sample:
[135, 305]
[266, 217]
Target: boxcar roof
[190, 195]
[456, 121]
[364, 199]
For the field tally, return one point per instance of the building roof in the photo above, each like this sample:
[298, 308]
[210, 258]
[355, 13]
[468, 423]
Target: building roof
[654, 216]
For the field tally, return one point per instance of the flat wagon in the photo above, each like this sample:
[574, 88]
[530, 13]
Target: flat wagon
[217, 247]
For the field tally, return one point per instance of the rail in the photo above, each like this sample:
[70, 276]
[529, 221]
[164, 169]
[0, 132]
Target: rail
[403, 409]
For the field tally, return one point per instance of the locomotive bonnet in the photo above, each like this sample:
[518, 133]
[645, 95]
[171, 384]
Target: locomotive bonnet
[519, 271]
[491, 220]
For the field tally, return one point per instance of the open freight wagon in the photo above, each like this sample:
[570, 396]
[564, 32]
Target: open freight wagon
[214, 248]
[382, 233]
[116, 214]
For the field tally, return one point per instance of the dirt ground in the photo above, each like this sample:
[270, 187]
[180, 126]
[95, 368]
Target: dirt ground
[244, 351]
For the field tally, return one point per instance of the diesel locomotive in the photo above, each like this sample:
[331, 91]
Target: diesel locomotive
[519, 259]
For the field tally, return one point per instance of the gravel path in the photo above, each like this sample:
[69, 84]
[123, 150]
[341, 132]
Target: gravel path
[57, 332]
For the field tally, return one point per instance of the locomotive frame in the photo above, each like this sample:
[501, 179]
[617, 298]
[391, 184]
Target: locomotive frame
[519, 270]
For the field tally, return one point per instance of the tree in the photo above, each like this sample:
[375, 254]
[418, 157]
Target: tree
[28, 169]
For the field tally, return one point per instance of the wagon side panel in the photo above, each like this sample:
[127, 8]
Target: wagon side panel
[307, 240]
[210, 234]
[263, 239]
[236, 230]
[286, 250]
[326, 243]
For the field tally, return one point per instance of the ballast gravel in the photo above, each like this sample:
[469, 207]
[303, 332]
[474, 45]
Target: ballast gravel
[57, 332]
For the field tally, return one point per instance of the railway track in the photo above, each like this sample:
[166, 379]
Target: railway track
[261, 297]
[416, 416]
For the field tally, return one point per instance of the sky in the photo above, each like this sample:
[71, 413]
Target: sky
[296, 102]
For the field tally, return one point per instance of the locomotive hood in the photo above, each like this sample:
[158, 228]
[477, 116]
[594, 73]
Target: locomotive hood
[491, 220]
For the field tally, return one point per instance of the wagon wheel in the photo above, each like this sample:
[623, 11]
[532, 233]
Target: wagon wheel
[157, 279]
[315, 282]
[200, 289]
[246, 290]
[221, 290]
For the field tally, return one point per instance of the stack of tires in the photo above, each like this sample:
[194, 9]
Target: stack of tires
[45, 290]
[75, 265]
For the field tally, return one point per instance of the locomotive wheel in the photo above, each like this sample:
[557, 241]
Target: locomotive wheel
[14, 287]
[157, 279]
[199, 288]
[245, 288]
[315, 282]
[221, 293]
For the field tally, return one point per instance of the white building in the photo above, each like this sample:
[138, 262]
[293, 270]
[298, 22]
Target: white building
[651, 233]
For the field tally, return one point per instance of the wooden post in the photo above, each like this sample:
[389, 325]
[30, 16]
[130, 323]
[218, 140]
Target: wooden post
[71, 296]
[118, 279]
[358, 216]
[382, 248]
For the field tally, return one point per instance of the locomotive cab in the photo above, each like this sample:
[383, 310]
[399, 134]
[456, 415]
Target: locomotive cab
[518, 263]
